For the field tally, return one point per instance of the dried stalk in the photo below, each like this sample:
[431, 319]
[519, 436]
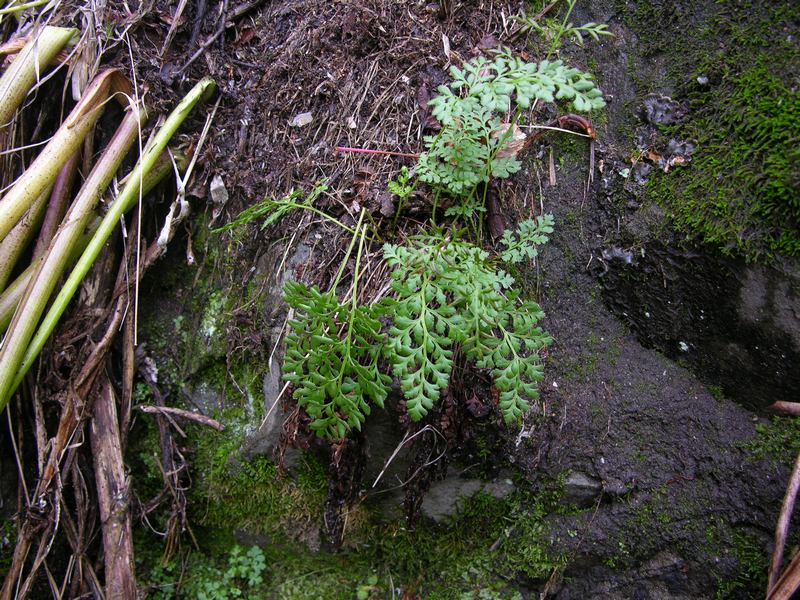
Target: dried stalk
[126, 199]
[785, 586]
[113, 494]
[45, 168]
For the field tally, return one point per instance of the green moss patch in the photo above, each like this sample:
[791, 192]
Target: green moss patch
[778, 440]
[742, 189]
[736, 67]
[484, 549]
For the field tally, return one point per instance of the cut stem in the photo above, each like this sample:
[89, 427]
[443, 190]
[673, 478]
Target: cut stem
[37, 54]
[14, 244]
[45, 168]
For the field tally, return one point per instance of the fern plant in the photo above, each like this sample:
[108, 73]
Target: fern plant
[332, 359]
[469, 147]
[332, 353]
[448, 292]
[554, 31]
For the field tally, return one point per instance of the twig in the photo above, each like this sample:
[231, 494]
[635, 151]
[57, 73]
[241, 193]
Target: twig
[224, 22]
[399, 447]
[21, 7]
[184, 414]
[785, 408]
[782, 527]
[174, 27]
[545, 10]
[788, 583]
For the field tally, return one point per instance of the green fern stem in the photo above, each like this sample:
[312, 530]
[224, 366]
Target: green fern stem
[349, 251]
[354, 299]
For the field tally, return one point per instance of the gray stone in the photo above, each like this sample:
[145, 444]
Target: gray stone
[443, 499]
[264, 440]
[581, 490]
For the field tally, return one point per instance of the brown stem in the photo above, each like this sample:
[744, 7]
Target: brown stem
[113, 494]
[782, 527]
[184, 414]
[57, 205]
[785, 408]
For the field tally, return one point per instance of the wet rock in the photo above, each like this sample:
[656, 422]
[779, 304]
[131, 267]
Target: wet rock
[641, 171]
[266, 439]
[205, 397]
[444, 497]
[617, 253]
[218, 191]
[739, 321]
[581, 490]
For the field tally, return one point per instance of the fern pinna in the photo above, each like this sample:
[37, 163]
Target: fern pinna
[448, 292]
[331, 358]
[469, 148]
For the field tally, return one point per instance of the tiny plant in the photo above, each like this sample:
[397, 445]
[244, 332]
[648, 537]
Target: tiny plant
[400, 187]
[521, 244]
[554, 31]
[239, 578]
[273, 210]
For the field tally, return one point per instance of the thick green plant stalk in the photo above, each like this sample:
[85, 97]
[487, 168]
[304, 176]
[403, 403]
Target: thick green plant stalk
[43, 282]
[45, 168]
[18, 79]
[11, 296]
[14, 244]
[9, 380]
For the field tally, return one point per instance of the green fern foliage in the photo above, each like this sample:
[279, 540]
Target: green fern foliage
[469, 148]
[274, 210]
[447, 292]
[522, 243]
[331, 358]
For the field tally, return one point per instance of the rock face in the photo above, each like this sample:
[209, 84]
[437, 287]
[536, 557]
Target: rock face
[735, 325]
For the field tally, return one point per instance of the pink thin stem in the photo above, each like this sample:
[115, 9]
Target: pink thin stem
[368, 151]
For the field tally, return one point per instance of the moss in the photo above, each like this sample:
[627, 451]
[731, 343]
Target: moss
[752, 564]
[778, 440]
[741, 192]
[488, 545]
[231, 493]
